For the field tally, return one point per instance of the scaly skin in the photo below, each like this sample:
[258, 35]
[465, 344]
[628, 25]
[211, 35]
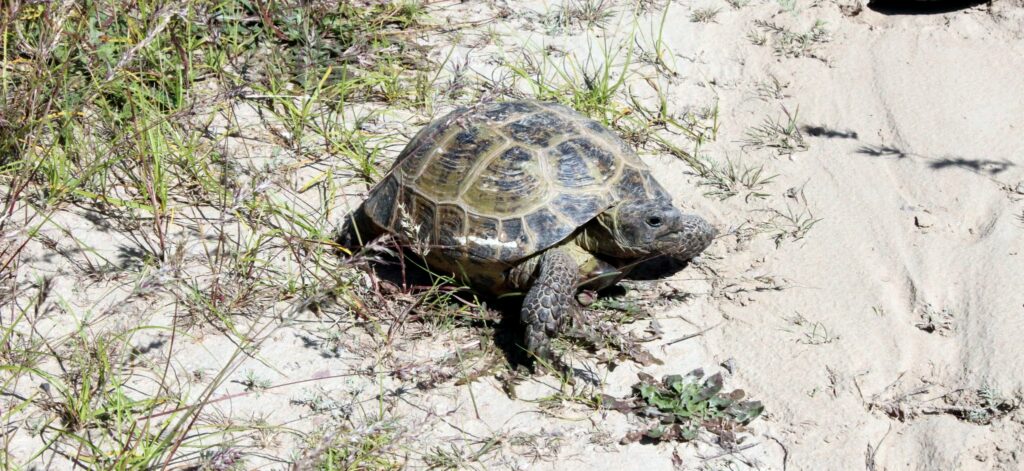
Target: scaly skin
[549, 301]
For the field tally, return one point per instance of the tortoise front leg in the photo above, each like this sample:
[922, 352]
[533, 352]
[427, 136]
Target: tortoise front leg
[548, 301]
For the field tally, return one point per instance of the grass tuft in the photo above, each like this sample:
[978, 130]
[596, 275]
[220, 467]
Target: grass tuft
[579, 14]
[704, 15]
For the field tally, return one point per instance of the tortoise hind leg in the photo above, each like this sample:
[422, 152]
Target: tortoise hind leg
[548, 301]
[357, 230]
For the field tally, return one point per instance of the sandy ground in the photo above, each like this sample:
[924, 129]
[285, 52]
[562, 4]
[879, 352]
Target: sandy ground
[871, 338]
[907, 292]
[904, 300]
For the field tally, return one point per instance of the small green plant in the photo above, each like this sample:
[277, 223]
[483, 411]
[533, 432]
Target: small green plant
[597, 329]
[704, 15]
[680, 406]
[630, 310]
[981, 406]
[456, 457]
[648, 6]
[814, 333]
[757, 38]
[589, 84]
[734, 178]
[789, 225]
[577, 14]
[989, 405]
[935, 320]
[253, 382]
[787, 43]
[818, 334]
[783, 135]
[771, 89]
[371, 446]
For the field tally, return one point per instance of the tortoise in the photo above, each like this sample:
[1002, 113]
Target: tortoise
[527, 195]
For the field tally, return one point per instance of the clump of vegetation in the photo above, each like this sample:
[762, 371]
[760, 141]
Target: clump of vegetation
[735, 178]
[980, 406]
[792, 225]
[579, 14]
[787, 43]
[782, 135]
[935, 320]
[988, 405]
[370, 446]
[704, 15]
[680, 406]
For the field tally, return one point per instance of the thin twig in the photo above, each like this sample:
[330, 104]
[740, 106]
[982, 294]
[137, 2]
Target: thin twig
[690, 336]
[869, 459]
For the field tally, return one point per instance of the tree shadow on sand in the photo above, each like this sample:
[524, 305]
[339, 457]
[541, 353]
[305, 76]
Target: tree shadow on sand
[987, 167]
[980, 166]
[829, 133]
[921, 7]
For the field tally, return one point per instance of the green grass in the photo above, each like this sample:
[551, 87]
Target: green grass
[578, 14]
[679, 407]
[780, 134]
[86, 407]
[736, 178]
[369, 447]
[704, 15]
[789, 225]
[128, 114]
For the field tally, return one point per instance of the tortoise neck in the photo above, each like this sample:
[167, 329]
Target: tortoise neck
[598, 237]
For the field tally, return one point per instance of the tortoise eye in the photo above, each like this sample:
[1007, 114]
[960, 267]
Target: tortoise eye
[653, 221]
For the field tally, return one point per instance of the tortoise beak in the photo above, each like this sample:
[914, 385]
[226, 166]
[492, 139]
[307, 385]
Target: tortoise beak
[691, 236]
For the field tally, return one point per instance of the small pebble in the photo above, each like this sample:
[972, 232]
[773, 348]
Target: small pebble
[924, 220]
[729, 365]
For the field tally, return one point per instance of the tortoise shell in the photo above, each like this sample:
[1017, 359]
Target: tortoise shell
[499, 182]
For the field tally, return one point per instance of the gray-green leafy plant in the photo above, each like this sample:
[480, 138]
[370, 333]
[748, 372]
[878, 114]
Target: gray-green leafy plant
[680, 406]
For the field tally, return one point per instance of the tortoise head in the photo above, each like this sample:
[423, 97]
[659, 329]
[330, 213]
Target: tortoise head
[649, 227]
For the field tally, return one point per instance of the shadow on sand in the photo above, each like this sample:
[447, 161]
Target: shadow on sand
[979, 166]
[921, 7]
[398, 268]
